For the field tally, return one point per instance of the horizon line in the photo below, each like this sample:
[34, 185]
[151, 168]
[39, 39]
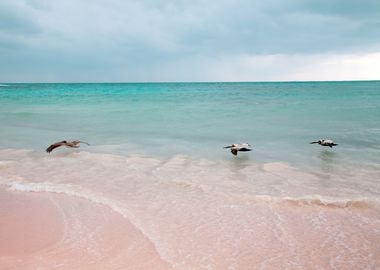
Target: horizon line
[138, 82]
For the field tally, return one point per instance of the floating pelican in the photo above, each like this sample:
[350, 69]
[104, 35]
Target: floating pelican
[72, 144]
[325, 143]
[243, 147]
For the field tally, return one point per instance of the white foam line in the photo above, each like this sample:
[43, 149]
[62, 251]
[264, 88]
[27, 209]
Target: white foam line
[310, 200]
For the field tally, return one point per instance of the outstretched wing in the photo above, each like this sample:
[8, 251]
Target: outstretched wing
[54, 145]
[78, 142]
[245, 149]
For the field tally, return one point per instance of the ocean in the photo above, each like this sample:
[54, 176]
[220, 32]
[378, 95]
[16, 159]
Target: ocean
[156, 189]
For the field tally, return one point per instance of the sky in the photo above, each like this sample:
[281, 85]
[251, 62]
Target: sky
[186, 41]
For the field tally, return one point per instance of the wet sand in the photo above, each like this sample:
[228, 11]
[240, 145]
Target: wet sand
[29, 223]
[46, 231]
[40, 230]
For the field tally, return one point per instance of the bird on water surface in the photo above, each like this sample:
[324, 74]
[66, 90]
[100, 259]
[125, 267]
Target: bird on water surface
[242, 147]
[323, 142]
[69, 144]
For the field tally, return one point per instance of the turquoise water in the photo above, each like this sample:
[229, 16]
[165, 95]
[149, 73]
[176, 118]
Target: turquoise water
[198, 119]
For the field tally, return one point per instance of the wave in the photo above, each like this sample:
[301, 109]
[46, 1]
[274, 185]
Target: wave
[80, 192]
[66, 189]
[85, 174]
[330, 202]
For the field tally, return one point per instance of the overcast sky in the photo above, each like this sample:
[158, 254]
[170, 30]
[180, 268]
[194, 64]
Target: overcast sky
[198, 40]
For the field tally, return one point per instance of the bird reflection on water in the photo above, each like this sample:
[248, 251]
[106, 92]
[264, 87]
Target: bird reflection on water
[241, 162]
[328, 161]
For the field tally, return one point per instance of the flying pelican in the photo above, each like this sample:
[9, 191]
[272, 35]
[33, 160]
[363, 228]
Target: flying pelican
[325, 143]
[243, 147]
[72, 144]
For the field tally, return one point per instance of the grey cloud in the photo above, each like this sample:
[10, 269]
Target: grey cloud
[133, 40]
[204, 26]
[17, 22]
[260, 29]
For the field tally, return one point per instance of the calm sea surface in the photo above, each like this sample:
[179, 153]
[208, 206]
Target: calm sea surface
[198, 119]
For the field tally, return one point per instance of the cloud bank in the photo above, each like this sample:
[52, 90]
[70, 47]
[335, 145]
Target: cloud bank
[242, 40]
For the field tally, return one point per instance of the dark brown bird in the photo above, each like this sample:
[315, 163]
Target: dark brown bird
[243, 147]
[72, 144]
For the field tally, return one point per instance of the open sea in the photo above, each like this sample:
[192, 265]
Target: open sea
[156, 189]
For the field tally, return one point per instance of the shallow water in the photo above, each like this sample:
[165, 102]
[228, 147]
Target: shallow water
[156, 190]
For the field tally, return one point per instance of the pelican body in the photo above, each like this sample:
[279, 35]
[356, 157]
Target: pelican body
[68, 144]
[329, 143]
[236, 147]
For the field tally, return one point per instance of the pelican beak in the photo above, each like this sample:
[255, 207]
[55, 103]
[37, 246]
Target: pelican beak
[313, 142]
[229, 146]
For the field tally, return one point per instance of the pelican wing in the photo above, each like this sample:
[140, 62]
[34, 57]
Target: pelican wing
[54, 145]
[239, 146]
[244, 149]
[331, 144]
[77, 142]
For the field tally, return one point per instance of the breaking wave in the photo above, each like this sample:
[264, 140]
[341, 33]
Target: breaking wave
[69, 190]
[86, 175]
[331, 202]
[77, 191]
